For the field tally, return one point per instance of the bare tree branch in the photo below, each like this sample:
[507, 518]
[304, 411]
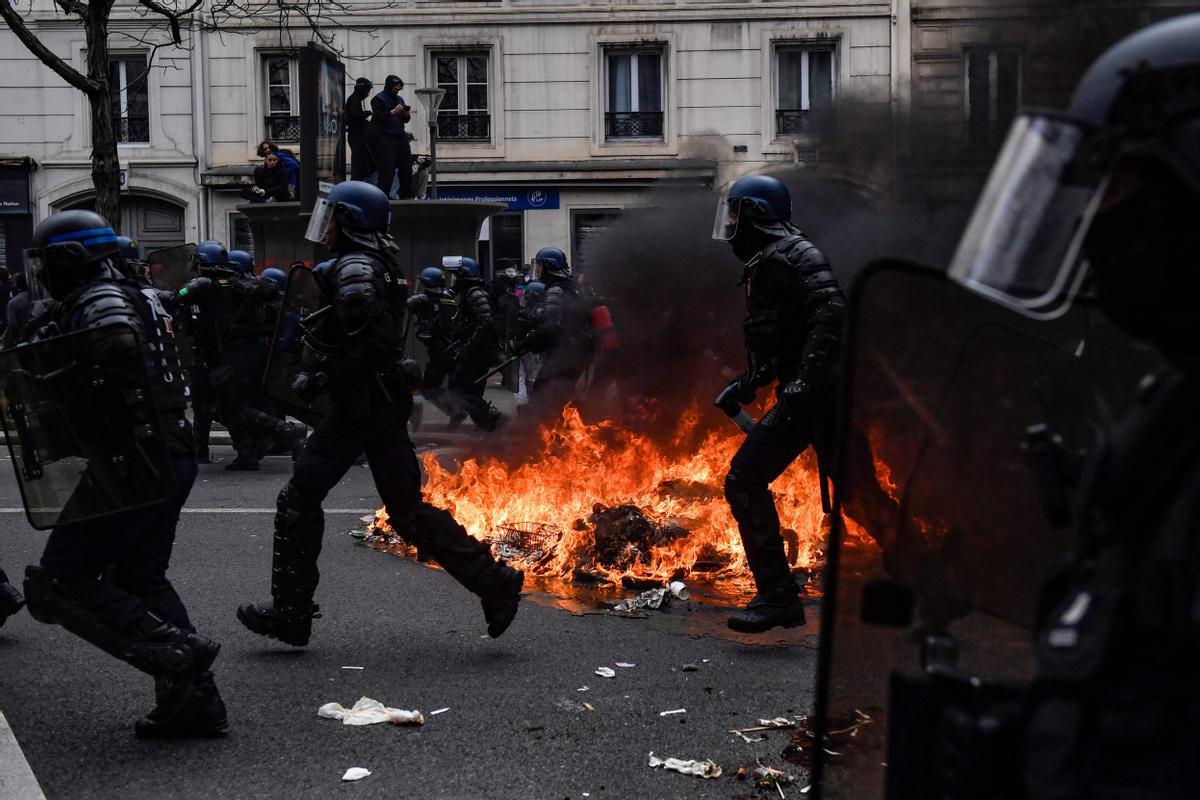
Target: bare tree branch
[45, 54]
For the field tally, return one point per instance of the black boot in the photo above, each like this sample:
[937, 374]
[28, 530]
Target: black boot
[183, 709]
[298, 435]
[764, 613]
[500, 594]
[243, 463]
[289, 625]
[11, 600]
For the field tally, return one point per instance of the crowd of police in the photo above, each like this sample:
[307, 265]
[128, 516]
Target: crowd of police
[1098, 203]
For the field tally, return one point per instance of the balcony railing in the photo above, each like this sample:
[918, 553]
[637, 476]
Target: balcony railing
[633, 125]
[464, 127]
[132, 129]
[813, 123]
[283, 128]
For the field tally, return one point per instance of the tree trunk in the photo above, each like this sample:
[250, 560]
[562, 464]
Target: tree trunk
[106, 167]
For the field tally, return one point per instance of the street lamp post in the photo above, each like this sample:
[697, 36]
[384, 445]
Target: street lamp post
[431, 99]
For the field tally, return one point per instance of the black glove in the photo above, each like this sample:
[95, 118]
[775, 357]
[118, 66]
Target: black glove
[309, 386]
[798, 391]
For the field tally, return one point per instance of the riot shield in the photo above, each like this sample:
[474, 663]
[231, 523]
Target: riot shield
[301, 300]
[963, 425]
[171, 267]
[82, 427]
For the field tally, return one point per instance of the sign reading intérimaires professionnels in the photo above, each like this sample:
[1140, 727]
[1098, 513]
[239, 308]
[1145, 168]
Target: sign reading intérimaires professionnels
[518, 198]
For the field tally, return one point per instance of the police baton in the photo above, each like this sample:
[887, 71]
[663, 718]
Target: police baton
[498, 368]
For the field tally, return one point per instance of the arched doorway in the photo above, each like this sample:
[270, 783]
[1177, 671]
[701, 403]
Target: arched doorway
[151, 222]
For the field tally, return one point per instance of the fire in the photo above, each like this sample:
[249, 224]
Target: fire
[562, 514]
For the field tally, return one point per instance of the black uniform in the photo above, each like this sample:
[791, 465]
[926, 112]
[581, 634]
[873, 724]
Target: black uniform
[562, 334]
[433, 325]
[105, 578]
[793, 329]
[479, 350]
[230, 321]
[354, 354]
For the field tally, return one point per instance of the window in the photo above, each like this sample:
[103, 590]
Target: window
[992, 87]
[279, 76]
[804, 90]
[127, 86]
[633, 94]
[463, 114]
[240, 236]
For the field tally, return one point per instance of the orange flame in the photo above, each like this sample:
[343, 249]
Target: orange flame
[674, 483]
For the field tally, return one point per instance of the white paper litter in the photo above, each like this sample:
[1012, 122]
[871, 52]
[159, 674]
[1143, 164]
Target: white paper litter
[582, 689]
[678, 590]
[651, 598]
[356, 774]
[704, 769]
[368, 518]
[672, 711]
[625, 665]
[778, 722]
[606, 672]
[353, 667]
[749, 740]
[439, 711]
[369, 712]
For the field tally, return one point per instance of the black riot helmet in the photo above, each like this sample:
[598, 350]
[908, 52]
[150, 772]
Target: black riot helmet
[1108, 190]
[68, 250]
[361, 213]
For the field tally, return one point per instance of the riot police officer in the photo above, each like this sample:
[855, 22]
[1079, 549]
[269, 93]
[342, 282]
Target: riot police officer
[477, 346]
[432, 311]
[795, 312]
[232, 315]
[242, 262]
[353, 352]
[131, 255]
[1103, 200]
[561, 335]
[103, 577]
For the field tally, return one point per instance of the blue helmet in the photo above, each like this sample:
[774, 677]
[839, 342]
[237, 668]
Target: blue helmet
[549, 262]
[242, 261]
[432, 279]
[128, 249]
[67, 246]
[211, 253]
[760, 200]
[532, 292]
[274, 275]
[361, 210]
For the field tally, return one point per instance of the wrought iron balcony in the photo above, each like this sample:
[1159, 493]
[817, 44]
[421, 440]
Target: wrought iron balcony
[283, 128]
[464, 127]
[813, 123]
[132, 129]
[633, 125]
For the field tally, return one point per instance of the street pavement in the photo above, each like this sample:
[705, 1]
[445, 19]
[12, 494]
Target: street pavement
[516, 726]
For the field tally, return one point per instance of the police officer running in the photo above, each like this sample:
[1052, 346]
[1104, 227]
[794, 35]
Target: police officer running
[793, 329]
[103, 577]
[353, 352]
[561, 333]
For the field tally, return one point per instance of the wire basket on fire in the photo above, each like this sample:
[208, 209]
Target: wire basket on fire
[525, 541]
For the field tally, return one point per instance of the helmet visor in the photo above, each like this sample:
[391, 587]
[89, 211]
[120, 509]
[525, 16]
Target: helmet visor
[1022, 247]
[537, 270]
[321, 214]
[726, 220]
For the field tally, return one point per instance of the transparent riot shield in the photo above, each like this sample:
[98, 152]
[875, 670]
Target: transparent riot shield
[963, 429]
[171, 267]
[301, 302]
[82, 427]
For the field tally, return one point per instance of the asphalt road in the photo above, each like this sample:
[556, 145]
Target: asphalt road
[516, 726]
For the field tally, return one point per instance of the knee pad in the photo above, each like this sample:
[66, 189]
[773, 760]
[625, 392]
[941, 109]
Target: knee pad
[738, 493]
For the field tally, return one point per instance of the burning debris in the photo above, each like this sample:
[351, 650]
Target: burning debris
[605, 504]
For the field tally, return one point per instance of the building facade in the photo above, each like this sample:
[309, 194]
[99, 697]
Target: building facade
[566, 111]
